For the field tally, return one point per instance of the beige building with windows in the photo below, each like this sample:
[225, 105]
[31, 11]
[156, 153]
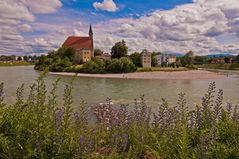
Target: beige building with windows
[84, 47]
[172, 59]
[146, 58]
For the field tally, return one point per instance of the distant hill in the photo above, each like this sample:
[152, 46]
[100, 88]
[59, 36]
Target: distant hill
[220, 55]
[176, 54]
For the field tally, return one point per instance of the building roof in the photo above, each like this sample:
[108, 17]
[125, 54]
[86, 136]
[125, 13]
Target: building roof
[78, 42]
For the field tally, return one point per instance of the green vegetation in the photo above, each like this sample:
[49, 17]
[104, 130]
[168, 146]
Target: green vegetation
[201, 59]
[5, 58]
[14, 63]
[187, 59]
[237, 58]
[62, 61]
[119, 50]
[97, 65]
[41, 126]
[163, 69]
[153, 59]
[56, 61]
[224, 66]
[97, 52]
[13, 60]
[135, 58]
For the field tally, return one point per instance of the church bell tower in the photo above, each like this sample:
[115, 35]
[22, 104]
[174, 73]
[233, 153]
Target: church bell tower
[90, 32]
[92, 40]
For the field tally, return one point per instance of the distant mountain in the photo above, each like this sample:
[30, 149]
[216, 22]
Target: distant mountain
[220, 55]
[175, 53]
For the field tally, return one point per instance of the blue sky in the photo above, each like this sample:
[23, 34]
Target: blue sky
[126, 7]
[203, 26]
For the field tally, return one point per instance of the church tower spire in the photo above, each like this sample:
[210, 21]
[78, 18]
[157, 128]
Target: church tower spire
[90, 32]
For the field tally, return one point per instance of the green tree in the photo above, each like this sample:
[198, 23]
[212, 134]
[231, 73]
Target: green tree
[119, 50]
[154, 59]
[201, 59]
[135, 58]
[122, 65]
[127, 65]
[227, 60]
[97, 52]
[66, 62]
[66, 52]
[96, 65]
[43, 63]
[19, 58]
[237, 58]
[187, 59]
[26, 58]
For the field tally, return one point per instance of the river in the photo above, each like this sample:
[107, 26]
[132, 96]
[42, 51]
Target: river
[95, 90]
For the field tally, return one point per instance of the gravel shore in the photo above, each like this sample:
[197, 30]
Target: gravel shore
[193, 74]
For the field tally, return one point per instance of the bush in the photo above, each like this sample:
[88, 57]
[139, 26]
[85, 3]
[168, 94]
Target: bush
[135, 58]
[123, 65]
[97, 65]
[41, 126]
[57, 61]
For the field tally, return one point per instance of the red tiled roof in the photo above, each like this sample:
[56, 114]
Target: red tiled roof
[77, 42]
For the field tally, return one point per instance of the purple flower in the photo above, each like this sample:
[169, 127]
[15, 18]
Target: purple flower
[125, 141]
[192, 122]
[90, 142]
[229, 108]
[236, 114]
[77, 118]
[214, 134]
[81, 143]
[58, 119]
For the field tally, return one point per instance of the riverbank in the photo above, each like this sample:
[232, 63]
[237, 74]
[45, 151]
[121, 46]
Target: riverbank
[163, 69]
[192, 74]
[14, 63]
[224, 66]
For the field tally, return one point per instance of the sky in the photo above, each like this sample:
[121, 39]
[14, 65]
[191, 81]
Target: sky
[35, 27]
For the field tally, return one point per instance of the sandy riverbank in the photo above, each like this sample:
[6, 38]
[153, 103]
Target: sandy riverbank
[193, 74]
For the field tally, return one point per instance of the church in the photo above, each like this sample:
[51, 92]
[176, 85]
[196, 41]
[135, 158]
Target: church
[84, 47]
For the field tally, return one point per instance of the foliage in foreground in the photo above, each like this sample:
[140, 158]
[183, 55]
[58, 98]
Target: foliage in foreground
[39, 127]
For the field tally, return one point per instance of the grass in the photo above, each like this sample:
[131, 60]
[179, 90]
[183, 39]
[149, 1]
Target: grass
[221, 66]
[14, 63]
[163, 69]
[41, 127]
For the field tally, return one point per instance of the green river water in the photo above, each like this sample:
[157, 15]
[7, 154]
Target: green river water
[95, 90]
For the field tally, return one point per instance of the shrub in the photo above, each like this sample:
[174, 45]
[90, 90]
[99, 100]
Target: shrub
[97, 65]
[135, 58]
[57, 61]
[123, 65]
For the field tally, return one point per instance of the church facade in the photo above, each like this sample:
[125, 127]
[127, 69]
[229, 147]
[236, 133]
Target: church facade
[84, 47]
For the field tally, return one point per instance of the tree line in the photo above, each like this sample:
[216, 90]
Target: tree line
[62, 61]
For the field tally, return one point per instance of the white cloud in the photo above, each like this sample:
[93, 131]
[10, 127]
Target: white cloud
[25, 28]
[15, 18]
[43, 6]
[204, 26]
[193, 26]
[106, 5]
[15, 10]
